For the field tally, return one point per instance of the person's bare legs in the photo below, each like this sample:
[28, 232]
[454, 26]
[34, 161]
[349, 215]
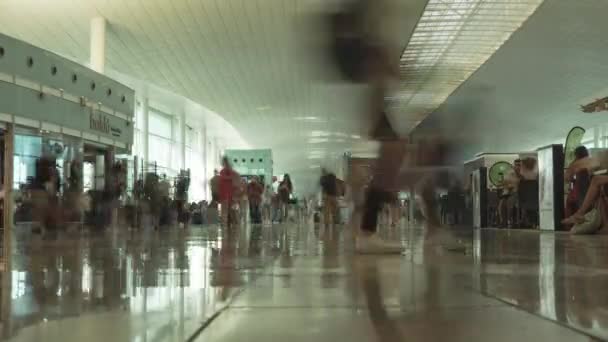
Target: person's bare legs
[592, 194]
[225, 212]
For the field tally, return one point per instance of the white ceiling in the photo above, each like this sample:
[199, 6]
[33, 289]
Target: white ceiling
[528, 94]
[257, 62]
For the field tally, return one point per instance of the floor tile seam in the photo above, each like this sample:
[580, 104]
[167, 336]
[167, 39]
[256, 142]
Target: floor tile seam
[539, 316]
[229, 301]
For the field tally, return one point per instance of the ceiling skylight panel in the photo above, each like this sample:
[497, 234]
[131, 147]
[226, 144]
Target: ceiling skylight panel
[452, 40]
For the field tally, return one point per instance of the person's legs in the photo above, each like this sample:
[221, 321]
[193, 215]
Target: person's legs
[334, 210]
[592, 194]
[225, 212]
[252, 212]
[329, 209]
[429, 204]
[265, 213]
[395, 214]
[501, 212]
[373, 205]
[257, 214]
[284, 211]
[326, 211]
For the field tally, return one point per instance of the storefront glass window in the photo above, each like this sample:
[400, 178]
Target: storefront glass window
[28, 149]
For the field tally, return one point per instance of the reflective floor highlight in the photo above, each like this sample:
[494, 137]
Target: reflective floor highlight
[298, 282]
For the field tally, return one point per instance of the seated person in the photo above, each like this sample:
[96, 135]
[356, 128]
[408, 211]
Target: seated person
[582, 162]
[590, 198]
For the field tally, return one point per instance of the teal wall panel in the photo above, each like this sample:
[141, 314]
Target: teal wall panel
[44, 68]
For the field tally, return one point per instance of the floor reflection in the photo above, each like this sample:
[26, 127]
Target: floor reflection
[181, 276]
[147, 286]
[554, 275]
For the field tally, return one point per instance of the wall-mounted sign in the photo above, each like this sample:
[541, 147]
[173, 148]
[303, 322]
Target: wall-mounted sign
[101, 123]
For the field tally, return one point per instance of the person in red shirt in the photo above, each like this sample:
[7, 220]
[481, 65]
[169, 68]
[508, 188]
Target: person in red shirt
[229, 180]
[254, 194]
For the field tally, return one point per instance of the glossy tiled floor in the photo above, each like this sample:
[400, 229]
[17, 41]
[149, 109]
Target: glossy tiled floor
[301, 283]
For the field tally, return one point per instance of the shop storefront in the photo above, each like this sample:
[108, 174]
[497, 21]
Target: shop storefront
[62, 127]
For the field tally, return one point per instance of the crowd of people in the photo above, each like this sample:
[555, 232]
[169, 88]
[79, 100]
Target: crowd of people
[237, 199]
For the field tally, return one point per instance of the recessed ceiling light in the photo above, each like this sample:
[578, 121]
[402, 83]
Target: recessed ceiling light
[310, 118]
[263, 108]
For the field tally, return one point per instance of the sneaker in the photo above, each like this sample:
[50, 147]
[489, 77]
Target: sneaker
[374, 245]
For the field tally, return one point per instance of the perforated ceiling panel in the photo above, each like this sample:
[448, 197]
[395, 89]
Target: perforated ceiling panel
[452, 40]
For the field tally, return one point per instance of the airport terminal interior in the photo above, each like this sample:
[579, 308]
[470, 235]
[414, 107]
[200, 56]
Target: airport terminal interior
[300, 170]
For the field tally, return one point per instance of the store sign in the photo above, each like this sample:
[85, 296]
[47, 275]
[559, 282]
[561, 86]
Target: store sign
[101, 123]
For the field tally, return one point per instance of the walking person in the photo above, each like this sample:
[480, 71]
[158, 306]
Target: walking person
[254, 194]
[228, 183]
[362, 57]
[267, 205]
[243, 201]
[329, 188]
[285, 191]
[214, 185]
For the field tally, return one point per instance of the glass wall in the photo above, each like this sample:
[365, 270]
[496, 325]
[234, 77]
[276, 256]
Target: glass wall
[32, 144]
[173, 144]
[160, 143]
[28, 149]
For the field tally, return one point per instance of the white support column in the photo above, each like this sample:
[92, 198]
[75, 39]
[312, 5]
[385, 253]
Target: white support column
[218, 151]
[145, 132]
[596, 137]
[203, 151]
[182, 133]
[98, 44]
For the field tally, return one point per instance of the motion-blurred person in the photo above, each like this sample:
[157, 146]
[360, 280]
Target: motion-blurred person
[508, 197]
[243, 201]
[361, 57]
[578, 175]
[330, 197]
[182, 185]
[395, 209]
[228, 183]
[44, 194]
[214, 185]
[267, 204]
[597, 182]
[276, 206]
[254, 193]
[285, 191]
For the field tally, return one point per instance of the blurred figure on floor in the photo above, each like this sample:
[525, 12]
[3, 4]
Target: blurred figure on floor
[267, 204]
[276, 204]
[254, 194]
[214, 186]
[285, 191]
[578, 175]
[395, 209]
[361, 58]
[228, 184]
[330, 197]
[243, 201]
[508, 197]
